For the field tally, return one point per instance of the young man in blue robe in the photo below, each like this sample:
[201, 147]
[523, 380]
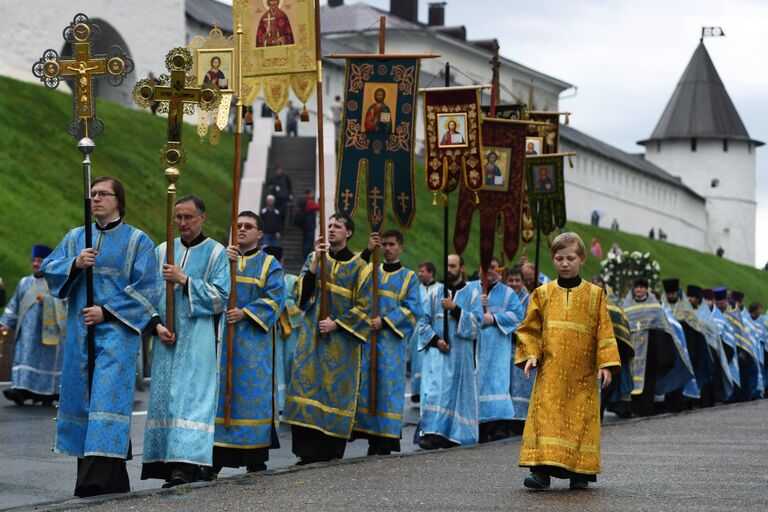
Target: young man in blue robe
[399, 307]
[698, 350]
[178, 435]
[94, 422]
[520, 388]
[39, 321]
[754, 317]
[661, 365]
[448, 383]
[322, 392]
[288, 333]
[426, 276]
[260, 293]
[503, 314]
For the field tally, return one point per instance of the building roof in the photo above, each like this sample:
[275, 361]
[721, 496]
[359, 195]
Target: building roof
[700, 106]
[636, 162]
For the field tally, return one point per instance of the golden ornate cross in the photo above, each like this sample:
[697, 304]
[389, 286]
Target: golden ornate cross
[375, 196]
[178, 92]
[82, 68]
[403, 198]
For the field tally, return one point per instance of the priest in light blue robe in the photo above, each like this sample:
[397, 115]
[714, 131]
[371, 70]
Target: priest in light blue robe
[399, 305]
[753, 316]
[503, 315]
[449, 407]
[661, 365]
[288, 334]
[178, 435]
[426, 276]
[321, 398]
[260, 294]
[727, 336]
[520, 388]
[39, 321]
[95, 426]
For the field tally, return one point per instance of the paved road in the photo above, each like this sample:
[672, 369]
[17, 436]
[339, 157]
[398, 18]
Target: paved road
[40, 476]
[714, 459]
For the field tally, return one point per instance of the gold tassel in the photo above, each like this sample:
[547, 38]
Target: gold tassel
[304, 115]
[477, 197]
[570, 161]
[278, 124]
[567, 118]
[434, 198]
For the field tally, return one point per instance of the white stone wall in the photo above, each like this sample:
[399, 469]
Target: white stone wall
[731, 203]
[149, 29]
[638, 202]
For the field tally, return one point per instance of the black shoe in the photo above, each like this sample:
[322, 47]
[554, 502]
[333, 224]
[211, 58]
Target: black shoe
[429, 442]
[498, 434]
[178, 477]
[303, 461]
[206, 473]
[416, 398]
[255, 468]
[578, 484]
[17, 396]
[537, 481]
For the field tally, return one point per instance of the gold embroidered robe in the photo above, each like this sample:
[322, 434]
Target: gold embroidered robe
[569, 332]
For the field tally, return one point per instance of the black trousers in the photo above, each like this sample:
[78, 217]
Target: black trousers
[101, 475]
[313, 446]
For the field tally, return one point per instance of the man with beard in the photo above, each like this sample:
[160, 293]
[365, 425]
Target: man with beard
[321, 395]
[448, 386]
[503, 314]
[39, 320]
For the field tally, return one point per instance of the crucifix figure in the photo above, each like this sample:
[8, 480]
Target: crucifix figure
[82, 68]
[180, 95]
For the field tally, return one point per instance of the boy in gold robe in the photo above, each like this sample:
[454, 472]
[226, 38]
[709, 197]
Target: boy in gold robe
[567, 333]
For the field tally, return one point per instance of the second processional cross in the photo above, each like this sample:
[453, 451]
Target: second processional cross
[178, 95]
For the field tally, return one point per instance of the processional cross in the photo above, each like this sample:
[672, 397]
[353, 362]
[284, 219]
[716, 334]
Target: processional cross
[180, 95]
[83, 67]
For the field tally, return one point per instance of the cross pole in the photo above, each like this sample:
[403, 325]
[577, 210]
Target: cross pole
[180, 94]
[82, 68]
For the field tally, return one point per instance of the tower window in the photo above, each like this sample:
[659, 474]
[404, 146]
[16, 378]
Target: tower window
[658, 146]
[725, 145]
[693, 144]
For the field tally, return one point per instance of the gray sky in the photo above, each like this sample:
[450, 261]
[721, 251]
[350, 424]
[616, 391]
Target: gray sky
[626, 57]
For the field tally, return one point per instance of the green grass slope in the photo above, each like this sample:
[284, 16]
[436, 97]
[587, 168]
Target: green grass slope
[41, 171]
[424, 241]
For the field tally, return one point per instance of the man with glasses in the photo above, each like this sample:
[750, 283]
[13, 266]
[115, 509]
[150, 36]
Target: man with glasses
[178, 436]
[94, 422]
[260, 299]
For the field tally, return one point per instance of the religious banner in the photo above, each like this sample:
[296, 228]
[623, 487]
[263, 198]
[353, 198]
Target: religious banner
[214, 62]
[545, 186]
[546, 138]
[453, 139]
[377, 135]
[279, 50]
[500, 199]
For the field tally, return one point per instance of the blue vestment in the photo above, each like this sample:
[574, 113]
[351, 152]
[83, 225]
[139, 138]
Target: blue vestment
[399, 307]
[644, 316]
[729, 344]
[182, 400]
[323, 387]
[448, 383]
[288, 333]
[260, 292]
[724, 381]
[520, 388]
[415, 356]
[748, 358]
[494, 354]
[127, 285]
[39, 321]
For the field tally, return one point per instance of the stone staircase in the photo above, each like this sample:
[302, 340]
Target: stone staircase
[297, 157]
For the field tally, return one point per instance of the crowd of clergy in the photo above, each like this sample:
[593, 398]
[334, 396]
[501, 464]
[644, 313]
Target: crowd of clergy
[451, 344]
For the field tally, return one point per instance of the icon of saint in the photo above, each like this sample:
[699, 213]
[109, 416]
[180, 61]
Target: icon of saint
[274, 27]
[378, 118]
